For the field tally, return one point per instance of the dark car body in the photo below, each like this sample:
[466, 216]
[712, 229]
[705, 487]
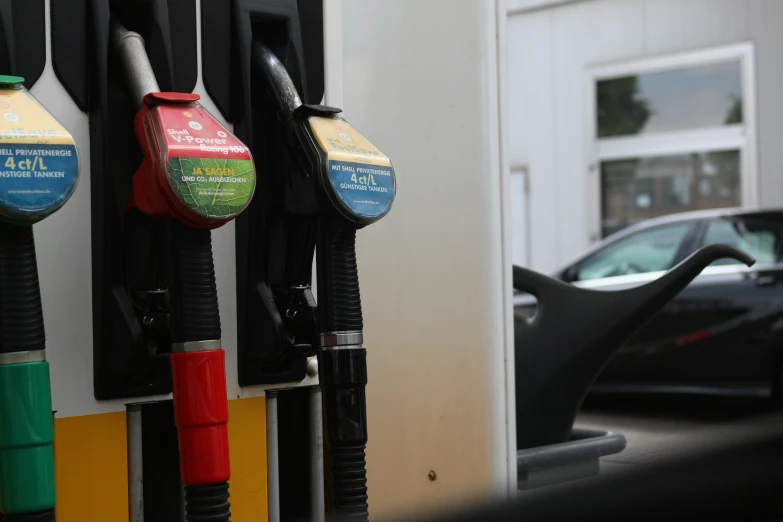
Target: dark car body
[723, 333]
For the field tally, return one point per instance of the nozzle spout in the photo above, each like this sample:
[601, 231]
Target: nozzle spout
[278, 80]
[561, 351]
[135, 66]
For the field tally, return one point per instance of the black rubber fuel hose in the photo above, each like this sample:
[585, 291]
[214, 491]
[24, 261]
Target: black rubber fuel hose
[21, 315]
[193, 299]
[343, 374]
[207, 503]
[41, 516]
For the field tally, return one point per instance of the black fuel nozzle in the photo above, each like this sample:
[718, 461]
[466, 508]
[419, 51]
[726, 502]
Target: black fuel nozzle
[351, 184]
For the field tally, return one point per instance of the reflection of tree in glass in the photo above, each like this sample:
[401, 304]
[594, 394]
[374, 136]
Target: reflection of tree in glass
[734, 115]
[621, 110]
[726, 162]
[726, 165]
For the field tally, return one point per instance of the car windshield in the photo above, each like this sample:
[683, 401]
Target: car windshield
[648, 250]
[759, 238]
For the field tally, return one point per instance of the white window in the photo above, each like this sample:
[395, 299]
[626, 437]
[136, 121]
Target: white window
[672, 134]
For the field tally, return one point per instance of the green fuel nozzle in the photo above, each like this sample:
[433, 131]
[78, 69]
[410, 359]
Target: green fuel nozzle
[351, 184]
[39, 167]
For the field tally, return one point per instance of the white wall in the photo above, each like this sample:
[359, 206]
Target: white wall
[525, 5]
[549, 52]
[421, 82]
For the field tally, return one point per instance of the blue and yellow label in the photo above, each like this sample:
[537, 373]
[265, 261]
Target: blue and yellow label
[39, 163]
[361, 176]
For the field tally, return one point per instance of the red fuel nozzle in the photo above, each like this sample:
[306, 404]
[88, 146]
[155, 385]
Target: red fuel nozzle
[198, 173]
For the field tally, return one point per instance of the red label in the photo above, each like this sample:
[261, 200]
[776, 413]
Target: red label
[190, 131]
[206, 173]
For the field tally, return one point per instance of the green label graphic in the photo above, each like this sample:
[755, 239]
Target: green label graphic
[213, 188]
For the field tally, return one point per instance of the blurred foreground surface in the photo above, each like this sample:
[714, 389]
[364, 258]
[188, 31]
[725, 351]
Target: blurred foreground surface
[700, 458]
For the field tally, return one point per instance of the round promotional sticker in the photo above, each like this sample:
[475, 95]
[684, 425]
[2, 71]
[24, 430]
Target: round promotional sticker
[39, 163]
[208, 170]
[361, 176]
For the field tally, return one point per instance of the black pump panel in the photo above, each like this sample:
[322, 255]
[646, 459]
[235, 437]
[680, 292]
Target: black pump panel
[131, 340]
[69, 47]
[169, 31]
[292, 29]
[277, 326]
[23, 51]
[167, 26]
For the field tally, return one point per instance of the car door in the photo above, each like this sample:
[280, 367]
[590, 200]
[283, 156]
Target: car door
[631, 261]
[731, 313]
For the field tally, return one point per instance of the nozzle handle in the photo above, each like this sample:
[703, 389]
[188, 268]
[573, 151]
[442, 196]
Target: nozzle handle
[137, 72]
[282, 87]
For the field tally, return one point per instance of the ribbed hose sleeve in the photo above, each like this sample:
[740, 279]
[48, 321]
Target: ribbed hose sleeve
[343, 376]
[207, 503]
[339, 299]
[195, 315]
[21, 316]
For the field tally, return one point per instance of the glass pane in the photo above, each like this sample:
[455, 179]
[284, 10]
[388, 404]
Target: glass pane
[633, 190]
[706, 96]
[760, 240]
[647, 251]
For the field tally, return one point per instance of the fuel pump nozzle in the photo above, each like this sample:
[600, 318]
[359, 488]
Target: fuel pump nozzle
[38, 179]
[139, 78]
[351, 184]
[195, 176]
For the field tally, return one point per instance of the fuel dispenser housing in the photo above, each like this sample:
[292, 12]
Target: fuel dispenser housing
[129, 361]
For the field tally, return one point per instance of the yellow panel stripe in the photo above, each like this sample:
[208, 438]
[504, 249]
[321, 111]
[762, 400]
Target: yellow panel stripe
[91, 468]
[247, 444]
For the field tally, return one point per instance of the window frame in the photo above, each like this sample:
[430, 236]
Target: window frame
[741, 137]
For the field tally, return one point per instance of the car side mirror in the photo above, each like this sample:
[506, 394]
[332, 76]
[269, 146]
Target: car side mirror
[570, 275]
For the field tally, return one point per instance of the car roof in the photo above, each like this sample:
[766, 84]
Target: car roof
[678, 217]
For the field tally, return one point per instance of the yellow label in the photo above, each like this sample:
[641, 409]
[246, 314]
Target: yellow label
[344, 143]
[24, 120]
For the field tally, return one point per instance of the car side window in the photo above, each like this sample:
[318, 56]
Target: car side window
[758, 238]
[646, 251]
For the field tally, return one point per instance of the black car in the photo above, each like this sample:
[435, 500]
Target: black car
[723, 334]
